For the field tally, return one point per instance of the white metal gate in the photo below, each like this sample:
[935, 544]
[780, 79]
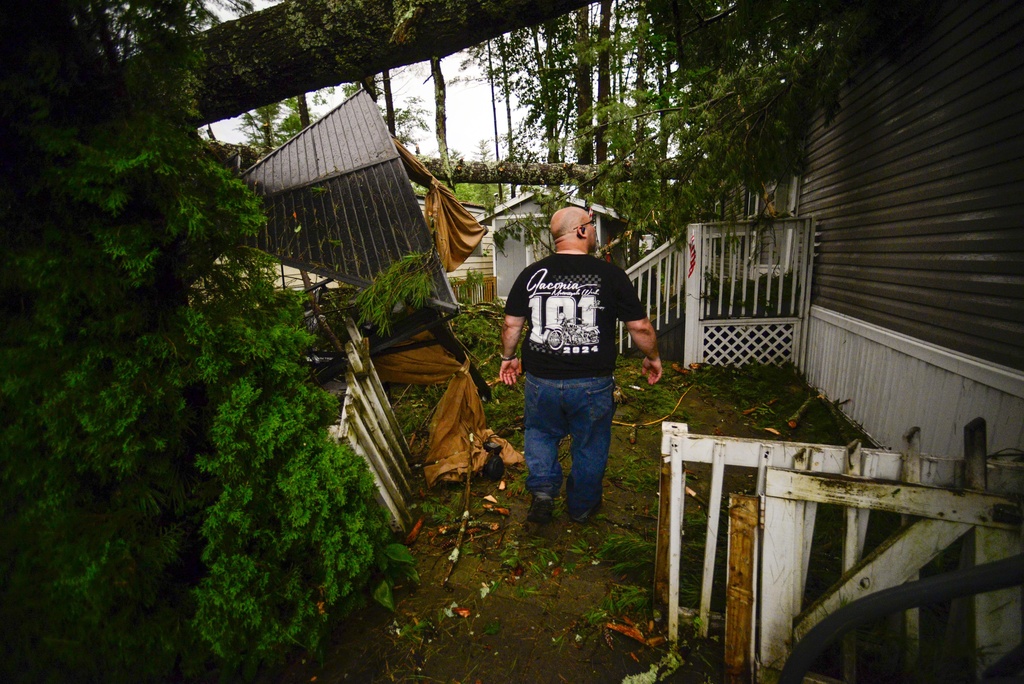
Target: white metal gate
[748, 291]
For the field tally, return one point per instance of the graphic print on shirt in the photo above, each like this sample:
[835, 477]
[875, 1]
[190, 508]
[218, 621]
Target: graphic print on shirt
[563, 313]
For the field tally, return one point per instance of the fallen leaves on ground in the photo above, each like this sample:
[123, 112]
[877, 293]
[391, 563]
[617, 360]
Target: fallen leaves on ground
[414, 533]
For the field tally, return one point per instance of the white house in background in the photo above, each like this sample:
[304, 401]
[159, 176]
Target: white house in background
[517, 215]
[481, 260]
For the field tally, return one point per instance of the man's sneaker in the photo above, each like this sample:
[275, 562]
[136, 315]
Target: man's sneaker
[540, 509]
[585, 515]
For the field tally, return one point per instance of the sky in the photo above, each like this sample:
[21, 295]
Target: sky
[467, 103]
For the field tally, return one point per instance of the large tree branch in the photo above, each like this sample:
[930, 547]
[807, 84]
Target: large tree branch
[515, 173]
[302, 45]
[242, 157]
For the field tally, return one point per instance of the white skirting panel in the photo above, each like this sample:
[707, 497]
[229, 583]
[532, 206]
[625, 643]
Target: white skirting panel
[892, 382]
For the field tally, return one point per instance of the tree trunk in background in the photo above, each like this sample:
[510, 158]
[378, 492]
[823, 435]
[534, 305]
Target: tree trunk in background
[369, 84]
[494, 117]
[506, 93]
[303, 109]
[584, 91]
[549, 117]
[441, 120]
[604, 80]
[301, 46]
[389, 101]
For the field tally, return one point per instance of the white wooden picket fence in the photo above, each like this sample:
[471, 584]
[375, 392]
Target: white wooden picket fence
[792, 479]
[369, 426]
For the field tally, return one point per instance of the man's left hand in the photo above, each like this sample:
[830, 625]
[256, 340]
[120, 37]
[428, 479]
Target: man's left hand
[652, 369]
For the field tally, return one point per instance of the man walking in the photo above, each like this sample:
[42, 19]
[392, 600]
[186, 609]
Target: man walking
[573, 302]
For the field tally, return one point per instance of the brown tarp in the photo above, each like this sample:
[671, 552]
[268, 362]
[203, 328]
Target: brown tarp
[459, 414]
[456, 232]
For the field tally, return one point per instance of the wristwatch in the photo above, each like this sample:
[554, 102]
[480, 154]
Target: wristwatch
[508, 358]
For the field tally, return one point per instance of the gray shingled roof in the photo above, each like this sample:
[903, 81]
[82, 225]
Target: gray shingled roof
[339, 202]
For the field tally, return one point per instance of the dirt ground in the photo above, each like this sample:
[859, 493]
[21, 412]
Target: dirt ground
[561, 602]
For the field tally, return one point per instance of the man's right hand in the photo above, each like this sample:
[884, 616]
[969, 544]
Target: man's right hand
[510, 371]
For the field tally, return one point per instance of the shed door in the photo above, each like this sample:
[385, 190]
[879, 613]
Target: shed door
[509, 261]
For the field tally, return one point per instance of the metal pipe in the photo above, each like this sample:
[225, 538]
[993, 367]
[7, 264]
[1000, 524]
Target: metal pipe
[989, 577]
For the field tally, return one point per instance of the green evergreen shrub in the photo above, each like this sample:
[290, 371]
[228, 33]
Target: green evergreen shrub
[170, 500]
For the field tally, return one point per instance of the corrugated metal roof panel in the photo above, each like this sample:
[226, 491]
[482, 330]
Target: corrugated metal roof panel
[348, 138]
[339, 202]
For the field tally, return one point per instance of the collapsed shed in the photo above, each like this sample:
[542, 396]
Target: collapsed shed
[340, 205]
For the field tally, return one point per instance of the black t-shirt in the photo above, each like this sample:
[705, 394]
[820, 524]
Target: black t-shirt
[571, 303]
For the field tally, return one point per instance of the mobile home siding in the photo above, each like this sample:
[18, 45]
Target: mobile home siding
[917, 186]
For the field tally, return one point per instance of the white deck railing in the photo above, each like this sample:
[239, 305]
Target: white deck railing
[659, 279]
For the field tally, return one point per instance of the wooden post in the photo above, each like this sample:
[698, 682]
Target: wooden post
[975, 454]
[664, 510]
[739, 592]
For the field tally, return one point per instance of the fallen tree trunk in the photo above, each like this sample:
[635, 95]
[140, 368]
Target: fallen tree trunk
[515, 173]
[462, 171]
[303, 45]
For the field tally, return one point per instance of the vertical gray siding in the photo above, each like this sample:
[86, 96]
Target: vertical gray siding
[917, 186]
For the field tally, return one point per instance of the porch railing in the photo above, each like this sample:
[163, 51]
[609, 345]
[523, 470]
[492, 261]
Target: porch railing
[659, 279]
[749, 286]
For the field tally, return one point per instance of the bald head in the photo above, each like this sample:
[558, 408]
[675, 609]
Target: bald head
[566, 220]
[573, 231]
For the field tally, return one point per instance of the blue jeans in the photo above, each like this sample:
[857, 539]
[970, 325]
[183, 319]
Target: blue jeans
[583, 408]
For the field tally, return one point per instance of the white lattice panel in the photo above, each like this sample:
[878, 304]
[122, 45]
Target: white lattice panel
[738, 345]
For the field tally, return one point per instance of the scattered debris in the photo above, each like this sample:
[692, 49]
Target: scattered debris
[697, 498]
[414, 533]
[659, 671]
[628, 630]
[752, 409]
[608, 639]
[454, 557]
[794, 419]
[659, 420]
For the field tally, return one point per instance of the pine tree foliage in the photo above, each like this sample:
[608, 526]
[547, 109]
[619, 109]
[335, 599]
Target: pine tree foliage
[170, 497]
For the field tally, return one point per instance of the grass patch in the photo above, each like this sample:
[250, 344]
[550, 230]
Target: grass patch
[630, 555]
[629, 600]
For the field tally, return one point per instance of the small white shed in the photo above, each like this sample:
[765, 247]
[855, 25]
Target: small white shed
[514, 219]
